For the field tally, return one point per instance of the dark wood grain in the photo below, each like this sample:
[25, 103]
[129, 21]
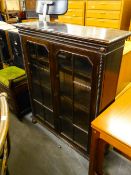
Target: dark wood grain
[101, 49]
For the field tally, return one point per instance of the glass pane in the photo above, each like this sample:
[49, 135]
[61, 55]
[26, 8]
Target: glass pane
[65, 61]
[67, 129]
[44, 75]
[34, 73]
[36, 87]
[66, 84]
[80, 138]
[47, 98]
[81, 119]
[42, 53]
[36, 92]
[66, 108]
[32, 50]
[39, 110]
[40, 74]
[82, 92]
[49, 117]
[82, 67]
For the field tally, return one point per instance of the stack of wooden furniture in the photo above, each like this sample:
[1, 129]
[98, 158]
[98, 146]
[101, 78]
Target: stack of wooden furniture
[75, 13]
[102, 13]
[5, 49]
[10, 10]
[13, 80]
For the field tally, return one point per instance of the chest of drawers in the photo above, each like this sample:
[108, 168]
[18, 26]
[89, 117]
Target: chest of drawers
[75, 13]
[108, 13]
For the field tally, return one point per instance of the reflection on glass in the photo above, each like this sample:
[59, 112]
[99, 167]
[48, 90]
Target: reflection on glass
[67, 129]
[44, 74]
[32, 50]
[81, 119]
[36, 92]
[42, 53]
[65, 61]
[38, 53]
[39, 111]
[80, 138]
[66, 84]
[81, 93]
[82, 67]
[66, 88]
[47, 98]
[49, 117]
[66, 107]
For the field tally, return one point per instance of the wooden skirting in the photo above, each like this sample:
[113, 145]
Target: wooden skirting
[125, 71]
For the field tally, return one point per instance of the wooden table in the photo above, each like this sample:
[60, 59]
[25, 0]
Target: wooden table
[113, 126]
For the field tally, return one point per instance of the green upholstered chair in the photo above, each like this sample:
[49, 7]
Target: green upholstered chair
[13, 81]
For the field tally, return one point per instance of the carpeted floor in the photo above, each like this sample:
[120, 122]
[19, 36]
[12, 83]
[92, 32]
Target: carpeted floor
[36, 151]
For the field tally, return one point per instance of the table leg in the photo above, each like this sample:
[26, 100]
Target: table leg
[93, 152]
[100, 156]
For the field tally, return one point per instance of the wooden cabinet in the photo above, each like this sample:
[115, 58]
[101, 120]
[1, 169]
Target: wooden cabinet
[72, 73]
[99, 13]
[75, 13]
[108, 13]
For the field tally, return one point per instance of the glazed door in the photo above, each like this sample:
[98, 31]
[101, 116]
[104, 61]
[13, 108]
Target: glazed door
[76, 74]
[40, 82]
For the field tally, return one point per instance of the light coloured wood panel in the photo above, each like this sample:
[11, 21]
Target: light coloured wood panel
[71, 20]
[75, 5]
[103, 5]
[13, 5]
[125, 70]
[30, 4]
[102, 23]
[75, 12]
[103, 14]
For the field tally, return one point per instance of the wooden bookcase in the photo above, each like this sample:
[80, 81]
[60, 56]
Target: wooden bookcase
[72, 74]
